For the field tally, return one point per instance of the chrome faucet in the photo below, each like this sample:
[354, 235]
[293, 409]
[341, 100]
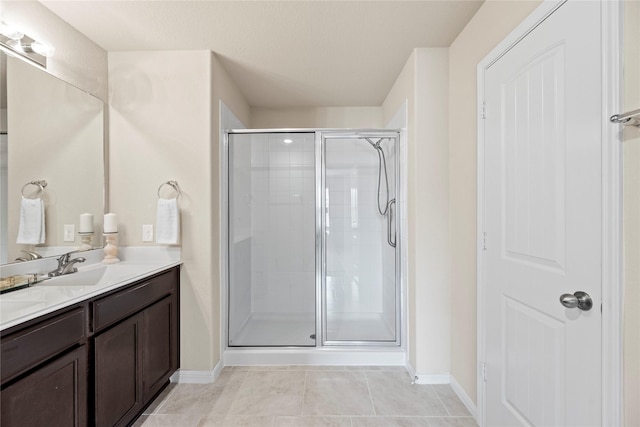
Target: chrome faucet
[29, 256]
[66, 265]
[32, 255]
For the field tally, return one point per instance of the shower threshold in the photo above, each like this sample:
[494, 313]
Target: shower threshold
[317, 356]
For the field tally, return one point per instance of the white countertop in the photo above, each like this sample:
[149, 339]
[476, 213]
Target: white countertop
[90, 281]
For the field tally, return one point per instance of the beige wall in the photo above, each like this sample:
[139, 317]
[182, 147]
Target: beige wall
[631, 225]
[327, 117]
[77, 60]
[160, 131]
[423, 82]
[225, 90]
[404, 90]
[493, 21]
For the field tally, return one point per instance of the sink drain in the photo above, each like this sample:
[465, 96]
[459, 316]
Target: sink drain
[312, 336]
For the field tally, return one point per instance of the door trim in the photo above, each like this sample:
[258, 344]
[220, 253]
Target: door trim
[611, 17]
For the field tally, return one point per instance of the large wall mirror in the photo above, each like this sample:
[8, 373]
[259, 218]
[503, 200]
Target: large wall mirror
[50, 131]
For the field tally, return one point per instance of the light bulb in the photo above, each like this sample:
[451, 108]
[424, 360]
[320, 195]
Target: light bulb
[42, 48]
[288, 141]
[10, 32]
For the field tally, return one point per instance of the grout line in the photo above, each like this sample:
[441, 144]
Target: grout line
[304, 391]
[441, 401]
[373, 406]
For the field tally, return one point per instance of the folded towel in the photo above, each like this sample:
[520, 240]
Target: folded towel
[168, 222]
[31, 229]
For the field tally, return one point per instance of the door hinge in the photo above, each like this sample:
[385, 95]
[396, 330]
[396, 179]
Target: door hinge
[484, 372]
[483, 110]
[484, 241]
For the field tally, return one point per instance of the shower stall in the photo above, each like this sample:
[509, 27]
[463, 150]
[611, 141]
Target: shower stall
[313, 239]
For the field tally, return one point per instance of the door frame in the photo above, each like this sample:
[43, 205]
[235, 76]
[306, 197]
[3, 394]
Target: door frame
[612, 30]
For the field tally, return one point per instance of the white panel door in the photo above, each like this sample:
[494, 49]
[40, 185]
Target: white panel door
[543, 224]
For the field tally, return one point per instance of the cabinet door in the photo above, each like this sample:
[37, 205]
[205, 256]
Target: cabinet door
[54, 395]
[160, 350]
[118, 373]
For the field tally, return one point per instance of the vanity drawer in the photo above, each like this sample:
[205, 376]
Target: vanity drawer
[25, 349]
[115, 307]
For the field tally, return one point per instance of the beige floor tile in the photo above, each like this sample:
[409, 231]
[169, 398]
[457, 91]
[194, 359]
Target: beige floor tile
[451, 401]
[389, 422]
[308, 396]
[202, 398]
[317, 368]
[269, 368]
[160, 399]
[336, 393]
[236, 421]
[224, 390]
[313, 421]
[394, 395]
[185, 399]
[452, 422]
[376, 368]
[269, 393]
[140, 421]
[170, 420]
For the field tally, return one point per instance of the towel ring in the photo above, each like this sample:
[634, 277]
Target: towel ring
[40, 184]
[173, 184]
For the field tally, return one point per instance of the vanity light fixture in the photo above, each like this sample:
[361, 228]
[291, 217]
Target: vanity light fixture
[14, 41]
[10, 32]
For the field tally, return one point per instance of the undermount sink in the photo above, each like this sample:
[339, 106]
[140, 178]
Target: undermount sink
[94, 275]
[9, 307]
[16, 305]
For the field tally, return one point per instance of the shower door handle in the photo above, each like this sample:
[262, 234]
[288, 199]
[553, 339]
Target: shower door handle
[391, 242]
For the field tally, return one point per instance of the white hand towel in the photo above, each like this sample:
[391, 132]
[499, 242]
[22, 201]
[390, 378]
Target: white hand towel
[31, 229]
[168, 222]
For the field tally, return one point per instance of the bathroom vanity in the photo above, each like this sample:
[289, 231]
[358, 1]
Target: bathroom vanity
[98, 361]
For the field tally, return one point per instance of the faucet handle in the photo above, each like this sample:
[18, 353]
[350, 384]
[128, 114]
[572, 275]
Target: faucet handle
[64, 258]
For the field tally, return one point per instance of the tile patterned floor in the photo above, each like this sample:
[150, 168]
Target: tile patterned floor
[308, 396]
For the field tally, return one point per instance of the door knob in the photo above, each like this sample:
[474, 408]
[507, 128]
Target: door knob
[579, 299]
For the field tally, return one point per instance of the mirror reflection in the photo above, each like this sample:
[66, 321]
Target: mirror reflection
[50, 131]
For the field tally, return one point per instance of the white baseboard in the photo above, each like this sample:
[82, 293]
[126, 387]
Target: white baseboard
[464, 397]
[444, 378]
[432, 378]
[183, 376]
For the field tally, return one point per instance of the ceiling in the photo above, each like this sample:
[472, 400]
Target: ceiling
[282, 53]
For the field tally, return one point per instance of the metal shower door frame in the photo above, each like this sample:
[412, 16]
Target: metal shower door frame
[321, 244]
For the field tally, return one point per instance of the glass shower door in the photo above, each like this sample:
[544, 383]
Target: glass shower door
[272, 207]
[360, 287]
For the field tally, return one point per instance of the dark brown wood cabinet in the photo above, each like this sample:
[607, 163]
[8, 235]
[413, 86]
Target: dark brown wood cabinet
[160, 345]
[53, 395]
[71, 369]
[118, 373]
[135, 358]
